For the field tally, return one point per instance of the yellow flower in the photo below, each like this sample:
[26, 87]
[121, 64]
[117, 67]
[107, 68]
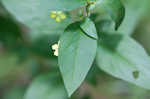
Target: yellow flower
[58, 15]
[55, 48]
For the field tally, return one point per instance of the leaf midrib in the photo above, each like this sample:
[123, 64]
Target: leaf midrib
[75, 57]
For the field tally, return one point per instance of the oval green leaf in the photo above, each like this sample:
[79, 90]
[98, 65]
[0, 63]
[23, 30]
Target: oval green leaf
[89, 28]
[115, 9]
[129, 62]
[46, 86]
[76, 55]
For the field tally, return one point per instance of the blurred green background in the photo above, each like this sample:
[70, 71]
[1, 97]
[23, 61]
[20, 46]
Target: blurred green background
[21, 59]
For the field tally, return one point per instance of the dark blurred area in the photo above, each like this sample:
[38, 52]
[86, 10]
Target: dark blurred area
[22, 59]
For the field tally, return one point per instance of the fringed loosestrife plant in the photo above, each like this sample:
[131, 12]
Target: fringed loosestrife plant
[91, 39]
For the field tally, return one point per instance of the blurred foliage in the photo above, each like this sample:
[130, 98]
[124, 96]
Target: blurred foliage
[22, 59]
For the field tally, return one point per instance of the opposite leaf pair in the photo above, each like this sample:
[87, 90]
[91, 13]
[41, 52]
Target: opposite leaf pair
[117, 54]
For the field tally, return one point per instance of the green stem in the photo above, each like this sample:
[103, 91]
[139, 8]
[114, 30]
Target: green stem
[89, 3]
[87, 10]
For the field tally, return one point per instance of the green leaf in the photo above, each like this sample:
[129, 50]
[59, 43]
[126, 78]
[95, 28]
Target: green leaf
[36, 15]
[89, 28]
[128, 61]
[76, 55]
[133, 15]
[47, 86]
[130, 21]
[115, 9]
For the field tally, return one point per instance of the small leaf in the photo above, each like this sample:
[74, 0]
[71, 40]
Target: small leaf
[46, 86]
[135, 10]
[75, 56]
[115, 9]
[89, 28]
[122, 62]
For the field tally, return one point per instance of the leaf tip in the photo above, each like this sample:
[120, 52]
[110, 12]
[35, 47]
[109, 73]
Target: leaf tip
[70, 91]
[71, 87]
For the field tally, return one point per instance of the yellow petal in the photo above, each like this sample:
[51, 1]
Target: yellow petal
[53, 15]
[63, 16]
[58, 19]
